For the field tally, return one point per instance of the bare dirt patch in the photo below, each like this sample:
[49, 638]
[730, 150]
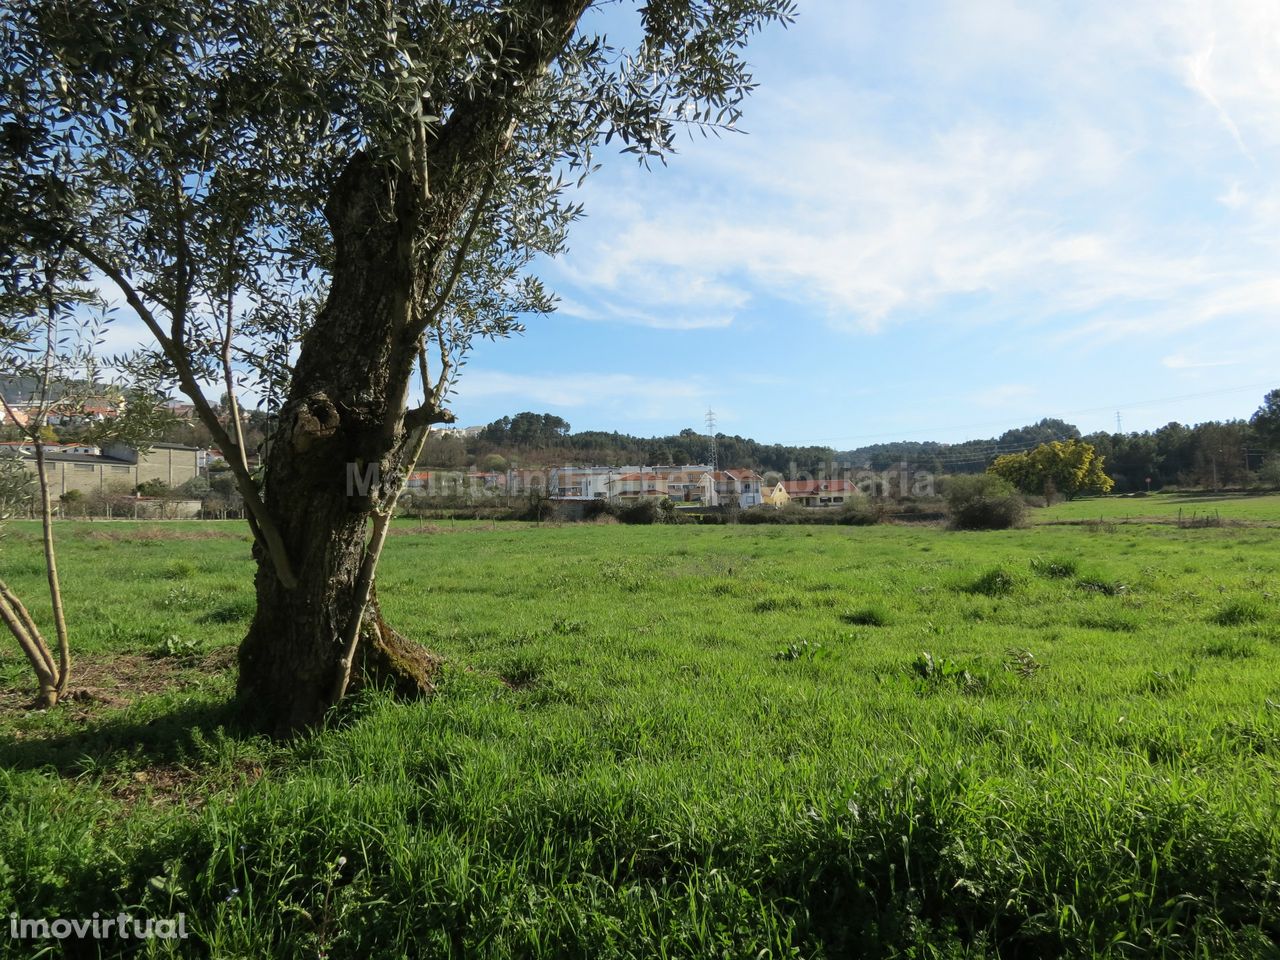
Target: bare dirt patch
[125, 534]
[169, 784]
[116, 680]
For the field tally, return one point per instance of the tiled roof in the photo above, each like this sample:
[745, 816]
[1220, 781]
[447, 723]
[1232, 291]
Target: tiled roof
[818, 487]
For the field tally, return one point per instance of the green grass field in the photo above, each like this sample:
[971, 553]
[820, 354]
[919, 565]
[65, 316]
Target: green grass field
[680, 742]
[1167, 507]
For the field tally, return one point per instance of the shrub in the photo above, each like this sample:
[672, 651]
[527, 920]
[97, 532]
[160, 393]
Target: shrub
[858, 513]
[176, 647]
[861, 513]
[667, 510]
[596, 510]
[1239, 613]
[646, 511]
[983, 502]
[1057, 568]
[804, 650]
[866, 617]
[996, 582]
[787, 514]
[934, 673]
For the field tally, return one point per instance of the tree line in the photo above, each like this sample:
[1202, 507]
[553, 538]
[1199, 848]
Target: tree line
[1214, 454]
[542, 439]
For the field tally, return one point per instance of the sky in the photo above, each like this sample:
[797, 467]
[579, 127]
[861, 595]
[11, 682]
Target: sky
[940, 220]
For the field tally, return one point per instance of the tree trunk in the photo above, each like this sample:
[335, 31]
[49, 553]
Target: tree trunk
[345, 411]
[332, 462]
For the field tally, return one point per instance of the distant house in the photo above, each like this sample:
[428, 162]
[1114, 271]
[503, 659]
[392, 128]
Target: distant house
[26, 447]
[639, 485]
[776, 496]
[681, 484]
[748, 486]
[181, 409]
[584, 483]
[694, 485]
[76, 403]
[724, 487]
[490, 480]
[815, 493]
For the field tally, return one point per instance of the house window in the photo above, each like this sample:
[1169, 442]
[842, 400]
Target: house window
[115, 469]
[83, 466]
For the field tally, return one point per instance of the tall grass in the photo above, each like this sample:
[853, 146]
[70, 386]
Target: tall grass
[970, 753]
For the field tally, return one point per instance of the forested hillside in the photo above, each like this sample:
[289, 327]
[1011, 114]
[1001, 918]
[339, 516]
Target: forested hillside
[1229, 453]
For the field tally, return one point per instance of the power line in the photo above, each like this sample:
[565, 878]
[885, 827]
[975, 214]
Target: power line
[711, 431]
[979, 452]
[1065, 413]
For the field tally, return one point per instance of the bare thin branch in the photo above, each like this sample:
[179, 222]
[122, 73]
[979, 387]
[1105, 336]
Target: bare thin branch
[270, 534]
[460, 258]
[23, 627]
[51, 573]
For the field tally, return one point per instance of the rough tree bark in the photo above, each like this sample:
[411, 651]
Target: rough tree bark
[346, 409]
[341, 425]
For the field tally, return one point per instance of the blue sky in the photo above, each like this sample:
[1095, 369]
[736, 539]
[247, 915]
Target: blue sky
[945, 218]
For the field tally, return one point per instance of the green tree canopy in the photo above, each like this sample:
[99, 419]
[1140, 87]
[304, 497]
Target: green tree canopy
[1266, 421]
[326, 203]
[1067, 468]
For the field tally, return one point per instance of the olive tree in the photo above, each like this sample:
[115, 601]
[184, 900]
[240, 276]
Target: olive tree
[323, 205]
[49, 347]
[52, 369]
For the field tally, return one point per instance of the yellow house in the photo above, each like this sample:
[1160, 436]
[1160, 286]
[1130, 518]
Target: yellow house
[820, 493]
[776, 496]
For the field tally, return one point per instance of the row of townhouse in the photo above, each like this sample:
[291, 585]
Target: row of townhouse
[21, 397]
[689, 485]
[698, 485]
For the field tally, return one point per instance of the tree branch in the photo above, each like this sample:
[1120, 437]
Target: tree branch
[270, 535]
[426, 415]
[378, 540]
[460, 258]
[182, 293]
[51, 574]
[23, 627]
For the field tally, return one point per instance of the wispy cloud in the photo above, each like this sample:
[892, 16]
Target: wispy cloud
[1001, 395]
[1179, 361]
[675, 319]
[1064, 199]
[625, 396]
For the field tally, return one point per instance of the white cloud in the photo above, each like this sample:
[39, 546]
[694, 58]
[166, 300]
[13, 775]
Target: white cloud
[1180, 361]
[1001, 395]
[624, 396]
[1058, 165]
[677, 319]
[1235, 64]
